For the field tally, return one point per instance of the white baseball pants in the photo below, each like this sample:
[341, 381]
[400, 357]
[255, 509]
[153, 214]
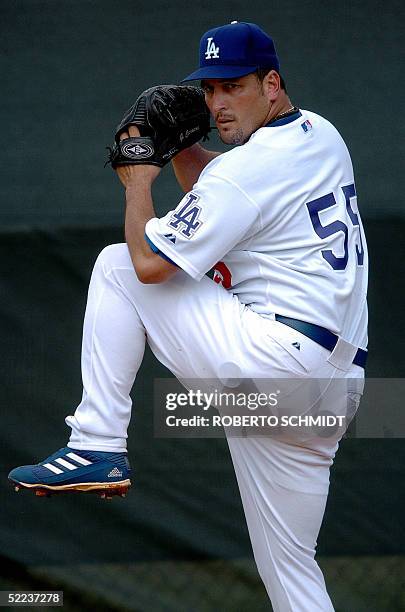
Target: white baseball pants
[196, 329]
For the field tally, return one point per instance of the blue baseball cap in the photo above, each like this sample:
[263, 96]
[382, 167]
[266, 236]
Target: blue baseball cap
[234, 50]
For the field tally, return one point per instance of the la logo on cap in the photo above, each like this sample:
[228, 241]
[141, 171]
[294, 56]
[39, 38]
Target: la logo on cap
[212, 51]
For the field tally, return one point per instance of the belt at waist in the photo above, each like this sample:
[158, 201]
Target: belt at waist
[322, 336]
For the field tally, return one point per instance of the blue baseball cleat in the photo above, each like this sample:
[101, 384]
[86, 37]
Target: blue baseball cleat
[68, 470]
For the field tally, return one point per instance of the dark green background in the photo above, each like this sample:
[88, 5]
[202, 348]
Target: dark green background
[68, 71]
[69, 68]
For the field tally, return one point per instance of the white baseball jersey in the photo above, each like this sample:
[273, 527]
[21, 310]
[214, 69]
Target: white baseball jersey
[278, 219]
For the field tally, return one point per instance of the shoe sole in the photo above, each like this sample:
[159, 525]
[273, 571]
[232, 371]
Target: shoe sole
[105, 489]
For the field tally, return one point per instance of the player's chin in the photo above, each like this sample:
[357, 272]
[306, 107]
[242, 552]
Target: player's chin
[230, 134]
[226, 138]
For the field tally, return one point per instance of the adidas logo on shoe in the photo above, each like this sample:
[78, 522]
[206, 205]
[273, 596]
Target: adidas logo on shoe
[115, 473]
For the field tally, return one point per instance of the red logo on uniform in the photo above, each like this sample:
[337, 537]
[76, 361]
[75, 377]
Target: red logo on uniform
[222, 275]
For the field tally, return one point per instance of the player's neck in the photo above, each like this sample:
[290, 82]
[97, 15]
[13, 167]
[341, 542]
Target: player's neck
[281, 107]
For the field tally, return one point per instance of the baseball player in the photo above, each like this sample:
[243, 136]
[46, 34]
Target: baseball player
[277, 217]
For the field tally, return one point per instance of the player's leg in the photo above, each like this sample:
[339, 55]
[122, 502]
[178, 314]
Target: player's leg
[183, 322]
[113, 346]
[284, 483]
[182, 319]
[284, 520]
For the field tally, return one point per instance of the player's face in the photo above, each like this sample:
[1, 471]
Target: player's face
[239, 106]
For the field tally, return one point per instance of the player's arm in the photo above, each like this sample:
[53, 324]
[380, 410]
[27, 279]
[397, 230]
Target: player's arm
[189, 163]
[138, 180]
[149, 267]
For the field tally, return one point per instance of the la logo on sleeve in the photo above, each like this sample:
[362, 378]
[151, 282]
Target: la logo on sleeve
[186, 220]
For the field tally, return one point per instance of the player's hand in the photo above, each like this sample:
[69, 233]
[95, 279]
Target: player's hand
[134, 173]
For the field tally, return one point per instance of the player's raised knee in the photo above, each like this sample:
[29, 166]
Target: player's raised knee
[114, 255]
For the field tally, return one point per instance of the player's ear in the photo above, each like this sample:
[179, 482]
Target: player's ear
[271, 85]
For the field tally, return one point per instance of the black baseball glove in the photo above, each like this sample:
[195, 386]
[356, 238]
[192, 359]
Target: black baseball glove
[170, 118]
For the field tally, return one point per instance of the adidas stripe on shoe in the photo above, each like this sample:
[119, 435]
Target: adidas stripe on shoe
[70, 470]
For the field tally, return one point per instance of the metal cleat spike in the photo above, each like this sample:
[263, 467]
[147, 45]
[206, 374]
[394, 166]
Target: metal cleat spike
[17, 488]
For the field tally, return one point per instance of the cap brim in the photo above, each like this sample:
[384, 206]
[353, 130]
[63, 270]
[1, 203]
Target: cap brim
[219, 72]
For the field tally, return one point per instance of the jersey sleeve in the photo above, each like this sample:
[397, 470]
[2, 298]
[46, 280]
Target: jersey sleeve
[208, 222]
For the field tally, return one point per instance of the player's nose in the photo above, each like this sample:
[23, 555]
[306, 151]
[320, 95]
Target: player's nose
[217, 103]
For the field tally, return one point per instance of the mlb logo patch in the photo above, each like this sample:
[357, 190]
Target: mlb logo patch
[306, 126]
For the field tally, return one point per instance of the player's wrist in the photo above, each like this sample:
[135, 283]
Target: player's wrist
[138, 177]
